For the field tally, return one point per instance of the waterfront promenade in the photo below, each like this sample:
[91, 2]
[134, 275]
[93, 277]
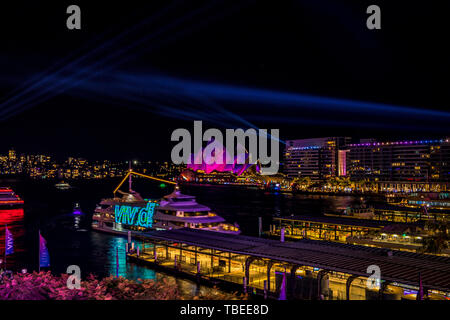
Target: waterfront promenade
[312, 269]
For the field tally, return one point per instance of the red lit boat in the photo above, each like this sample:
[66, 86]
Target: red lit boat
[9, 198]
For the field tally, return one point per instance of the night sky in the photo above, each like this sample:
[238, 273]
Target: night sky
[309, 68]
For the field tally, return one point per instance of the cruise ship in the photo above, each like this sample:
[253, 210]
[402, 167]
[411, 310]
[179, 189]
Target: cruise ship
[131, 212]
[9, 198]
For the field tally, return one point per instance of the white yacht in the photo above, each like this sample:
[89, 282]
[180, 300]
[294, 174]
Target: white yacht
[121, 214]
[177, 210]
[131, 212]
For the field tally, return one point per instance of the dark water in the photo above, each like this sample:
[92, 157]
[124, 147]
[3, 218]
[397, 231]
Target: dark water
[71, 242]
[244, 206]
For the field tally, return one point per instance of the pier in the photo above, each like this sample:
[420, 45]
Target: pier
[325, 227]
[375, 233]
[311, 269]
[338, 228]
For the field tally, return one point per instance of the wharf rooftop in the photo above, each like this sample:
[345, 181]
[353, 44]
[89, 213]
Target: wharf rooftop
[397, 267]
[344, 221]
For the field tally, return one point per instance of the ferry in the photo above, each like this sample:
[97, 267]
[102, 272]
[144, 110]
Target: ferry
[62, 186]
[372, 233]
[354, 212]
[427, 200]
[361, 211]
[9, 198]
[394, 197]
[406, 215]
[131, 212]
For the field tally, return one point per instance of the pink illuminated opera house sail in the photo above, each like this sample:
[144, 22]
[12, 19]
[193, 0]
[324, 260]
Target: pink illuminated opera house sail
[213, 163]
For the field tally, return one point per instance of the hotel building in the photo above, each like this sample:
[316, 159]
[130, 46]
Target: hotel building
[419, 165]
[316, 158]
[416, 165]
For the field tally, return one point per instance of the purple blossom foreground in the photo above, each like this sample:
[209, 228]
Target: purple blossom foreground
[45, 286]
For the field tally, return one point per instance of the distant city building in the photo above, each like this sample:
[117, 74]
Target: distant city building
[44, 167]
[316, 158]
[12, 155]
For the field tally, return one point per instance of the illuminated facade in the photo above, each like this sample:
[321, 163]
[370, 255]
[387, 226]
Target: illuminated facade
[342, 162]
[317, 158]
[409, 161]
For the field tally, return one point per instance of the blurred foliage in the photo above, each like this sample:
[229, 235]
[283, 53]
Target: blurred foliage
[45, 286]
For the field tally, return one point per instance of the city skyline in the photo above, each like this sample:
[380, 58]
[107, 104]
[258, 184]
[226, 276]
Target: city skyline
[242, 151]
[409, 164]
[43, 166]
[126, 83]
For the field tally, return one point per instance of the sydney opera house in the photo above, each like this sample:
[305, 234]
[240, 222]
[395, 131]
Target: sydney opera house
[223, 161]
[229, 170]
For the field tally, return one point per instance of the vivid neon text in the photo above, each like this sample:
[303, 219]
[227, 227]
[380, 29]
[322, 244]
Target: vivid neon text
[135, 216]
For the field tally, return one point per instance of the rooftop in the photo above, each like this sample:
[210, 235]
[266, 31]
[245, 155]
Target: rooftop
[401, 267]
[409, 142]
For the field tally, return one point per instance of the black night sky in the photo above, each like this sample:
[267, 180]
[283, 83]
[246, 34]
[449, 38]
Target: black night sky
[143, 77]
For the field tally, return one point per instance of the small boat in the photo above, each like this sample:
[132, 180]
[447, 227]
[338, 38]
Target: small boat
[62, 186]
[9, 198]
[77, 209]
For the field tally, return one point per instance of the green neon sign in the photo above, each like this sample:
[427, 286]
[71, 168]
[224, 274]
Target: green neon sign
[135, 216]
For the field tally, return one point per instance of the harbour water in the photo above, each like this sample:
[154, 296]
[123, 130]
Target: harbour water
[72, 242]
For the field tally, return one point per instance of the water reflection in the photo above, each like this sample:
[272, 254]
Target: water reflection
[66, 226]
[11, 217]
[14, 219]
[76, 213]
[115, 247]
[76, 223]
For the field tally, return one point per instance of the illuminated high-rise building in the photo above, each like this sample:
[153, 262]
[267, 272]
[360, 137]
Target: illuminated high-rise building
[12, 155]
[316, 158]
[408, 164]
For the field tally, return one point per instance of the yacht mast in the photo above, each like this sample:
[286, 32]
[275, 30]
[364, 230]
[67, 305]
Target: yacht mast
[129, 178]
[128, 175]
